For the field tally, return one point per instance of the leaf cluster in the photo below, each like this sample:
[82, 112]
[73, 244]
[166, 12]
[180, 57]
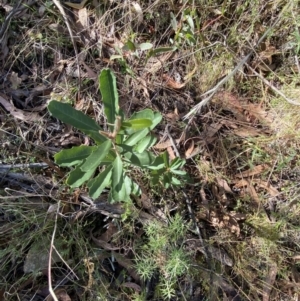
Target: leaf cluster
[117, 151]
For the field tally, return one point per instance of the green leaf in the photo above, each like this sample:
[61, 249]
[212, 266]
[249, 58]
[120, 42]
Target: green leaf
[137, 124]
[191, 23]
[77, 177]
[147, 114]
[131, 187]
[161, 50]
[141, 160]
[115, 57]
[178, 172]
[157, 117]
[96, 136]
[129, 46]
[108, 88]
[69, 115]
[175, 181]
[165, 157]
[73, 156]
[118, 187]
[134, 138]
[145, 143]
[158, 172]
[145, 46]
[157, 164]
[177, 163]
[109, 158]
[94, 160]
[97, 185]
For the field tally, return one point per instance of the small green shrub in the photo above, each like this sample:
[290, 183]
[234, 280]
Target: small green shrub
[163, 252]
[109, 161]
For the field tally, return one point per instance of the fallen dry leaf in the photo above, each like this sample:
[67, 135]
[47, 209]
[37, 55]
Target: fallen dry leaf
[190, 149]
[212, 129]
[15, 80]
[164, 144]
[265, 185]
[19, 114]
[245, 132]
[61, 295]
[137, 8]
[269, 281]
[133, 285]
[221, 220]
[252, 172]
[222, 184]
[83, 17]
[171, 83]
[248, 188]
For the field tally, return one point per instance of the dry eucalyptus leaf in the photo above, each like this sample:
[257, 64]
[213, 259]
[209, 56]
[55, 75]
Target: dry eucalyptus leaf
[137, 8]
[252, 172]
[15, 80]
[19, 114]
[76, 5]
[83, 17]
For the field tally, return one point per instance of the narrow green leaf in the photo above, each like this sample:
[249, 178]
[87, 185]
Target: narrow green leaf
[69, 115]
[115, 57]
[156, 120]
[161, 50]
[175, 181]
[157, 164]
[118, 188]
[178, 172]
[77, 177]
[97, 185]
[96, 157]
[137, 124]
[73, 156]
[165, 157]
[131, 187]
[108, 88]
[95, 135]
[134, 138]
[177, 163]
[129, 46]
[191, 23]
[145, 143]
[145, 46]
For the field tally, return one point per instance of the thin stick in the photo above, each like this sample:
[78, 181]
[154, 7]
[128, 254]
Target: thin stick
[50, 256]
[172, 141]
[29, 165]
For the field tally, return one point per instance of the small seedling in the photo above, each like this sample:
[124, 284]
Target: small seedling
[125, 145]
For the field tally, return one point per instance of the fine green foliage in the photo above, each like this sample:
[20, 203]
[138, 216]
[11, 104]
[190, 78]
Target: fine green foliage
[107, 164]
[162, 252]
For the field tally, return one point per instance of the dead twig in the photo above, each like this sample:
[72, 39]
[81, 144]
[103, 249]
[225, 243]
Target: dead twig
[50, 256]
[22, 166]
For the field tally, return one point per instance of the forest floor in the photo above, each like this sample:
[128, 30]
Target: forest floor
[225, 77]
